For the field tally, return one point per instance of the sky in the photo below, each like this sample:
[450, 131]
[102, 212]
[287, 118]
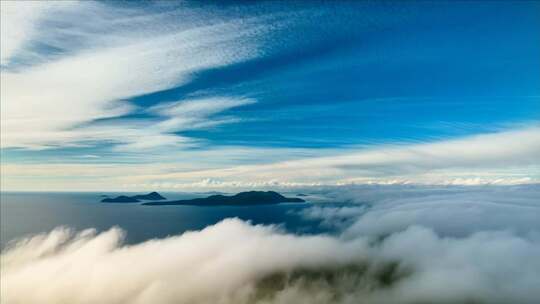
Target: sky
[228, 95]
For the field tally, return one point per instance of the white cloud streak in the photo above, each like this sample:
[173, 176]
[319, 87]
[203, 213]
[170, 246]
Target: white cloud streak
[194, 114]
[504, 158]
[19, 23]
[49, 103]
[443, 162]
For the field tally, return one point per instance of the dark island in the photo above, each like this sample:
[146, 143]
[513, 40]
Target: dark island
[240, 199]
[153, 196]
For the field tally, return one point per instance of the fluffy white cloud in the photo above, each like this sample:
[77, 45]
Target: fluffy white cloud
[330, 217]
[395, 244]
[235, 262]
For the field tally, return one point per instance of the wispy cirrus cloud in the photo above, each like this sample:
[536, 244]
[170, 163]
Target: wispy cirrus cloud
[86, 61]
[194, 113]
[20, 24]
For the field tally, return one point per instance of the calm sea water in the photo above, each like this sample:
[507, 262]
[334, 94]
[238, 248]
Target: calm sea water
[23, 214]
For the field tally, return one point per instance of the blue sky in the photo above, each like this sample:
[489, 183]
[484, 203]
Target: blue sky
[204, 94]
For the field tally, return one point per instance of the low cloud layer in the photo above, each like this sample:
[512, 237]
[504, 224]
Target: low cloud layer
[374, 210]
[388, 251]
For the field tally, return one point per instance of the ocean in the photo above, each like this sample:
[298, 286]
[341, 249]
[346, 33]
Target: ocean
[29, 213]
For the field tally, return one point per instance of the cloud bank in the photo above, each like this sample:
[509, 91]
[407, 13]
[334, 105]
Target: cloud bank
[458, 211]
[236, 262]
[398, 244]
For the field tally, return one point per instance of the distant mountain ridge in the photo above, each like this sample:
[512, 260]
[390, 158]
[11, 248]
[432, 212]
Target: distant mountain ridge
[152, 196]
[240, 199]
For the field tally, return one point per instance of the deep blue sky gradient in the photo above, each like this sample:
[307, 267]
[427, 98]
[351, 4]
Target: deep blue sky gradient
[361, 73]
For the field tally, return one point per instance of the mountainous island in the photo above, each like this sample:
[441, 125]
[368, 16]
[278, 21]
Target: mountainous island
[153, 196]
[240, 199]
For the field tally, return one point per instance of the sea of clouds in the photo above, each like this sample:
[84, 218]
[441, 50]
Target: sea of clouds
[393, 244]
